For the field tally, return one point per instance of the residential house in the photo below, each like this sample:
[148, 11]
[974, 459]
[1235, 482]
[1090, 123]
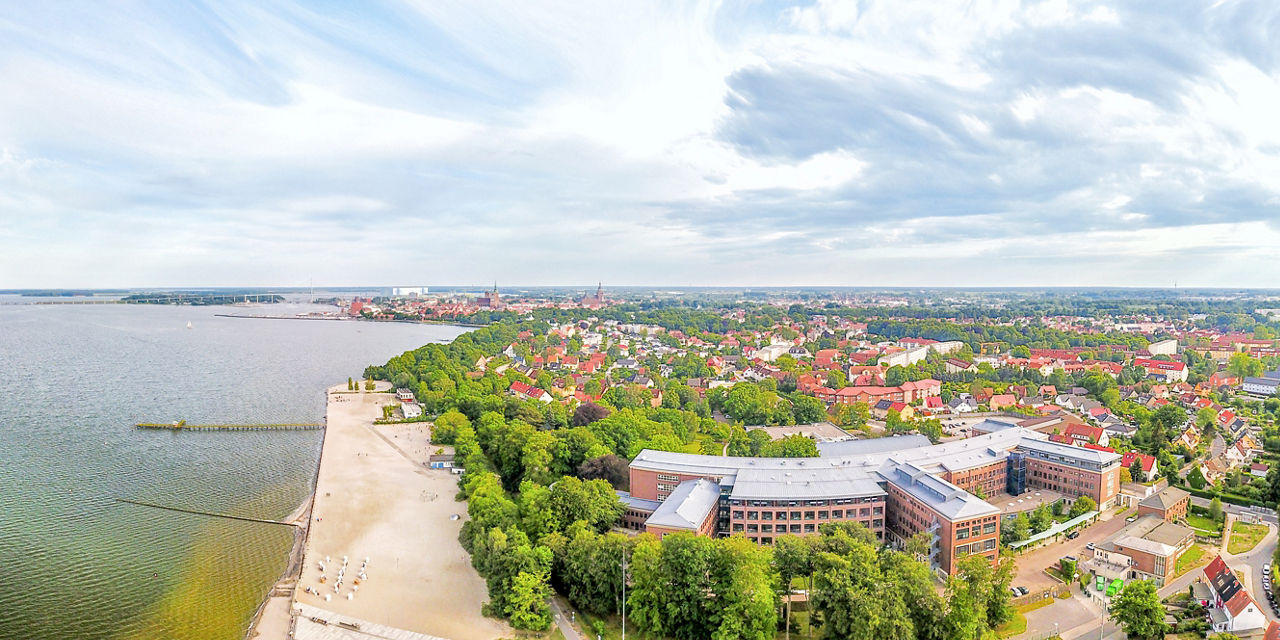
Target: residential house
[1231, 608]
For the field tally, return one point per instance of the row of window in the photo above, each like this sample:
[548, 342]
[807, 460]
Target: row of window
[769, 539]
[964, 533]
[795, 528]
[977, 547]
[807, 503]
[864, 512]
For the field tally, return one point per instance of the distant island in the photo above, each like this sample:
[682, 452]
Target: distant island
[202, 298]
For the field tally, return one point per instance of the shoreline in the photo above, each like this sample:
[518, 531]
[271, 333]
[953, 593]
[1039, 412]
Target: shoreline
[283, 587]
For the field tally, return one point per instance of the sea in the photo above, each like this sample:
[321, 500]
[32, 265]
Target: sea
[75, 562]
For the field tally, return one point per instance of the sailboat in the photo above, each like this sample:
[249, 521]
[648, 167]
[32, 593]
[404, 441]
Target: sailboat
[188, 324]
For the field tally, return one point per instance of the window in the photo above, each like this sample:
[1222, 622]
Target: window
[795, 528]
[766, 515]
[668, 477]
[751, 528]
[737, 515]
[837, 513]
[962, 534]
[808, 515]
[989, 544]
[766, 528]
[989, 528]
[782, 515]
[737, 526]
[753, 515]
[878, 511]
[808, 528]
[822, 515]
[795, 515]
[766, 540]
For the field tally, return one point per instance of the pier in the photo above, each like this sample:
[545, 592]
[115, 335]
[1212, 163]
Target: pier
[182, 425]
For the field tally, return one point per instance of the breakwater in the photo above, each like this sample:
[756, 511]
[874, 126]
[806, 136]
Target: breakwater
[205, 513]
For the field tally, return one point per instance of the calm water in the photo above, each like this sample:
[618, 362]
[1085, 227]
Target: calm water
[74, 563]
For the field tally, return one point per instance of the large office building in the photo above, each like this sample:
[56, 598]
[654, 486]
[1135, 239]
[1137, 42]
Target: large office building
[897, 487]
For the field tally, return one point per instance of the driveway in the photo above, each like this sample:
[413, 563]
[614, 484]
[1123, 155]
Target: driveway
[1032, 563]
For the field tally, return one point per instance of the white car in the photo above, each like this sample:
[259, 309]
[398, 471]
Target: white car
[1266, 569]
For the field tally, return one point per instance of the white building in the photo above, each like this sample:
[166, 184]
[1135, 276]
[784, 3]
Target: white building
[1163, 348]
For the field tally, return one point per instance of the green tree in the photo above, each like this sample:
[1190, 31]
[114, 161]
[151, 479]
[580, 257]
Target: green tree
[1139, 611]
[1040, 519]
[445, 428]
[1019, 529]
[1215, 509]
[792, 446]
[894, 376]
[1135, 470]
[527, 606]
[1243, 365]
[792, 558]
[1082, 505]
[808, 409]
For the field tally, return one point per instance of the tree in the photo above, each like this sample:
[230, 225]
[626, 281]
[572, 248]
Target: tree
[1040, 519]
[1215, 509]
[1243, 365]
[610, 468]
[1135, 470]
[1082, 505]
[350, 384]
[589, 412]
[1019, 529]
[1139, 611]
[808, 409]
[792, 446]
[369, 385]
[792, 558]
[1125, 476]
[895, 376]
[527, 603]
[445, 428]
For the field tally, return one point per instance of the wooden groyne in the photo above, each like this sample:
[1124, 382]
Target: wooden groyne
[205, 513]
[181, 425]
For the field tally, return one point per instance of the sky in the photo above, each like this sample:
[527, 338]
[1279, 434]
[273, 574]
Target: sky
[860, 143]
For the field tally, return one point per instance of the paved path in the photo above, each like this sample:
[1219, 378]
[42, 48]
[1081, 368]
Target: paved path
[560, 613]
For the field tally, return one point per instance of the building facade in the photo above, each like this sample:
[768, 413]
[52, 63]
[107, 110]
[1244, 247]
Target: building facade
[896, 487]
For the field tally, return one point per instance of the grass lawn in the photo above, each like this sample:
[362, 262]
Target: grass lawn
[1190, 559]
[1018, 623]
[1245, 537]
[1207, 525]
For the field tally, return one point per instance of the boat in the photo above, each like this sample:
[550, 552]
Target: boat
[188, 324]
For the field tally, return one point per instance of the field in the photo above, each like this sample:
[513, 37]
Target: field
[1245, 537]
[1190, 559]
[1203, 524]
[1018, 623]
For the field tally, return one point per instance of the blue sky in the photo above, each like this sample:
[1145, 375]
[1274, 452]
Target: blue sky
[756, 143]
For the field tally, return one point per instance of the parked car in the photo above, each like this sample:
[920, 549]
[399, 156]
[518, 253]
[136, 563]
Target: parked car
[1131, 518]
[1266, 569]
[1091, 546]
[1024, 590]
[1073, 535]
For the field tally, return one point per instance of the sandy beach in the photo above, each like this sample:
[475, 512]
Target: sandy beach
[375, 498]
